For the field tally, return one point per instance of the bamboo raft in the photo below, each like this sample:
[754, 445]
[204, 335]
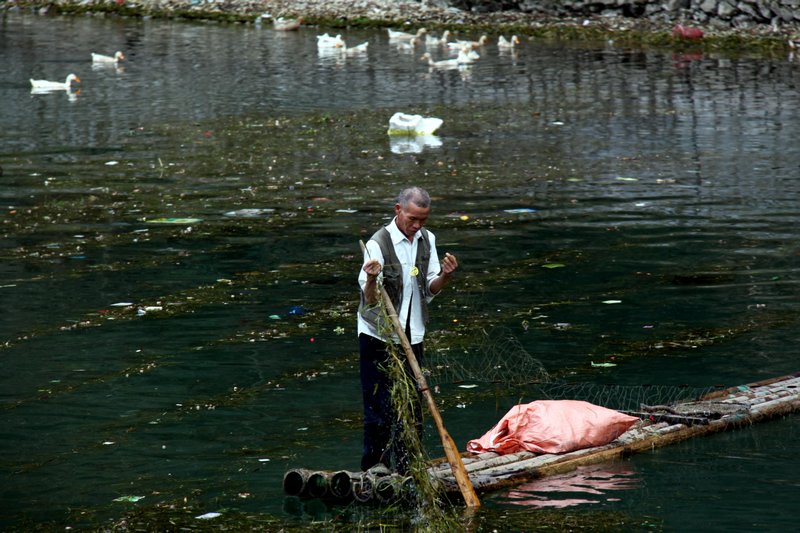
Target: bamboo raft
[659, 426]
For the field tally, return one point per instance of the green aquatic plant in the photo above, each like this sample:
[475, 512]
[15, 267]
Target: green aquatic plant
[428, 495]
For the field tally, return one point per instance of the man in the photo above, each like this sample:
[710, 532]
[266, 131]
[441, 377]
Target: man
[403, 255]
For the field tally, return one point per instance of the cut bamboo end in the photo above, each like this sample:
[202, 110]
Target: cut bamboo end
[294, 481]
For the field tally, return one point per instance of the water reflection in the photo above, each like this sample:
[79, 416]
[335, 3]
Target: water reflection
[399, 144]
[72, 95]
[585, 486]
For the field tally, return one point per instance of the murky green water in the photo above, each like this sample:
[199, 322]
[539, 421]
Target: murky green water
[180, 249]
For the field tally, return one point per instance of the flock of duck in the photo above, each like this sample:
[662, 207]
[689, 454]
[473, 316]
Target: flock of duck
[45, 86]
[465, 51]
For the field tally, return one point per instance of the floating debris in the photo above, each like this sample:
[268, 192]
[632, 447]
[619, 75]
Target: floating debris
[249, 212]
[174, 220]
[405, 124]
[519, 210]
[128, 499]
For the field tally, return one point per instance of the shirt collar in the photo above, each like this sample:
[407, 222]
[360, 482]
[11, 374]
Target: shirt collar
[397, 235]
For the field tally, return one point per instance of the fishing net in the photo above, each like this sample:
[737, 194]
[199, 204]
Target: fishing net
[500, 359]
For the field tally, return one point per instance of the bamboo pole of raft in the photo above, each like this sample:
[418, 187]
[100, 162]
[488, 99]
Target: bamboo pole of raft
[765, 403]
[450, 448]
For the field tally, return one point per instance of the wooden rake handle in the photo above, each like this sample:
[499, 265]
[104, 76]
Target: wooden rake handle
[450, 448]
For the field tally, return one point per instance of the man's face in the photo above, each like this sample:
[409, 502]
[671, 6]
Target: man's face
[411, 218]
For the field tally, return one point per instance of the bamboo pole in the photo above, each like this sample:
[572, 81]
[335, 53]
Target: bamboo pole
[294, 481]
[450, 448]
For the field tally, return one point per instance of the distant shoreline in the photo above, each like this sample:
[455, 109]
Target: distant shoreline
[410, 13]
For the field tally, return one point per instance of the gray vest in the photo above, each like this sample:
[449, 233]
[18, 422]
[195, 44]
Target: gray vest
[393, 280]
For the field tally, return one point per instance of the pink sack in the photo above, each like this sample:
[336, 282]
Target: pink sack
[553, 426]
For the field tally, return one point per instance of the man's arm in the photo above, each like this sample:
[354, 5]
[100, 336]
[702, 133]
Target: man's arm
[449, 265]
[371, 294]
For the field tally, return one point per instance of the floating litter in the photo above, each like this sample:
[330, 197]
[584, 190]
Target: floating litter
[405, 124]
[174, 220]
[612, 301]
[249, 212]
[208, 516]
[520, 210]
[128, 499]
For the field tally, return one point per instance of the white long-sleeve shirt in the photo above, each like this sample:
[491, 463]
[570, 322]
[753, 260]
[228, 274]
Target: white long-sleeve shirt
[407, 255]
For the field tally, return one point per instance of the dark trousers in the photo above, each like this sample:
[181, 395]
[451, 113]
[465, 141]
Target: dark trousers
[382, 432]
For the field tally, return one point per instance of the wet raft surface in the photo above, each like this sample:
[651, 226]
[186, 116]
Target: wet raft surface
[660, 425]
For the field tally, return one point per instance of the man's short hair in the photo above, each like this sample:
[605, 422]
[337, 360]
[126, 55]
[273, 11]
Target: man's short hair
[414, 195]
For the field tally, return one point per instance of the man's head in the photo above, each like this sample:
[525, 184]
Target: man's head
[412, 209]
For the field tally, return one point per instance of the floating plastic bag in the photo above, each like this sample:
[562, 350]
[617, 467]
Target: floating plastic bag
[553, 426]
[405, 124]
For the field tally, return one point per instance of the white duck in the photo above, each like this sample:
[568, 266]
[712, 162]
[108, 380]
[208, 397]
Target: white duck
[100, 58]
[356, 50]
[44, 85]
[442, 63]
[395, 35]
[505, 44]
[408, 46]
[432, 40]
[468, 55]
[465, 57]
[472, 44]
[286, 24]
[326, 41]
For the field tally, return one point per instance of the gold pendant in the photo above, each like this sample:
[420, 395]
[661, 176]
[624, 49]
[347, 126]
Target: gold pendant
[414, 271]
